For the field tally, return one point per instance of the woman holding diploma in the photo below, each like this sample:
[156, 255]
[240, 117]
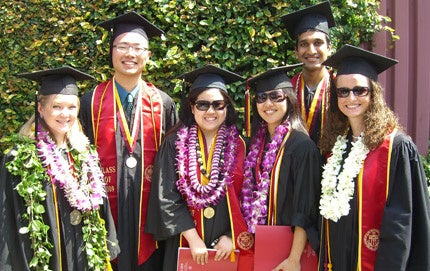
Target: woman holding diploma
[283, 165]
[198, 175]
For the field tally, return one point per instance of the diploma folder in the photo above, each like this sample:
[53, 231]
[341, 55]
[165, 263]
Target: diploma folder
[273, 245]
[186, 262]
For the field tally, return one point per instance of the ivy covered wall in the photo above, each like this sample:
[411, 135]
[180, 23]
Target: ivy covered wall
[244, 36]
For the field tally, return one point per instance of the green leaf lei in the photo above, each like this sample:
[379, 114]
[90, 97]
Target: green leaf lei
[28, 167]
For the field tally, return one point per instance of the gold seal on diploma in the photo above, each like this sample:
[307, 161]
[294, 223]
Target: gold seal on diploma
[75, 217]
[209, 212]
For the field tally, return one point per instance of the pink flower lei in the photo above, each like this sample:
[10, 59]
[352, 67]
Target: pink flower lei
[254, 195]
[81, 180]
[196, 194]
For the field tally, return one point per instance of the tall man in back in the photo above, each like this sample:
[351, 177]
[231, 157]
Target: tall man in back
[309, 28]
[126, 118]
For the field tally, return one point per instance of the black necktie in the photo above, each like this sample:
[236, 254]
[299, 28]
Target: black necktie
[129, 104]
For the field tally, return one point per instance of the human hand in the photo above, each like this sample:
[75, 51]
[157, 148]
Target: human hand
[199, 252]
[288, 265]
[223, 247]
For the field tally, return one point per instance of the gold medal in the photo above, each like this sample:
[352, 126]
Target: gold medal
[131, 162]
[75, 217]
[209, 212]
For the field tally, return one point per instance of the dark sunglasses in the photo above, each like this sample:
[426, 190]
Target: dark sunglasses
[275, 96]
[205, 105]
[357, 90]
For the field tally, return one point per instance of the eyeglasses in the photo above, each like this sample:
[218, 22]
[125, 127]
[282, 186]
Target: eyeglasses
[205, 105]
[357, 91]
[125, 48]
[275, 96]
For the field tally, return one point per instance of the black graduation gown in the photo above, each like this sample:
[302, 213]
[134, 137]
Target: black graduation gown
[129, 183]
[405, 228]
[299, 186]
[15, 248]
[169, 214]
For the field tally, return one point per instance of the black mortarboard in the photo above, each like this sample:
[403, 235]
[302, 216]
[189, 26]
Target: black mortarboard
[274, 78]
[131, 22]
[210, 76]
[354, 60]
[318, 17]
[58, 81]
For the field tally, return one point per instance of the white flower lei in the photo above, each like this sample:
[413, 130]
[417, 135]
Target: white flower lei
[337, 188]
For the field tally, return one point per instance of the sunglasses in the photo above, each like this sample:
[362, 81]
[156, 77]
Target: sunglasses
[205, 105]
[357, 91]
[275, 96]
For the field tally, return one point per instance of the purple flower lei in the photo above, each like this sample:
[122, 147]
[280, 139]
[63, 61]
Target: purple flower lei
[254, 195]
[85, 188]
[196, 194]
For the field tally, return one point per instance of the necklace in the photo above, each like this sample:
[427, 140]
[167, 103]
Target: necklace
[200, 195]
[337, 188]
[36, 159]
[254, 193]
[201, 158]
[82, 182]
[355, 138]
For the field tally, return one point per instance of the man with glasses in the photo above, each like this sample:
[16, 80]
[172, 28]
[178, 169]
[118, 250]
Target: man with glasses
[309, 27]
[126, 118]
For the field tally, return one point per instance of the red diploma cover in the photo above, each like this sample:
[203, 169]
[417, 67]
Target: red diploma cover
[273, 245]
[186, 262]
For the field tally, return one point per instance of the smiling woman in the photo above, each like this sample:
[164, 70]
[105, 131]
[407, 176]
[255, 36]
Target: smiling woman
[198, 175]
[52, 189]
[374, 189]
[282, 168]
[59, 112]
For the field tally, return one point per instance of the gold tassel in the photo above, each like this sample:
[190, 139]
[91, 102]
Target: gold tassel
[232, 256]
[247, 111]
[108, 265]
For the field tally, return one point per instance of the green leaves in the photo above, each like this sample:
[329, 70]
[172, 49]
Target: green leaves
[29, 170]
[94, 233]
[27, 167]
[245, 36]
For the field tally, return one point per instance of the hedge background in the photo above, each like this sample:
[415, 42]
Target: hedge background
[243, 36]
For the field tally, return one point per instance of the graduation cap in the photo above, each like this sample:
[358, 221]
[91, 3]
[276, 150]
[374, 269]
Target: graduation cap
[210, 76]
[58, 81]
[318, 17]
[131, 22]
[354, 60]
[274, 78]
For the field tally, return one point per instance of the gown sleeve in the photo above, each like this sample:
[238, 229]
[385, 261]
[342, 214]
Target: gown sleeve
[14, 254]
[5, 219]
[168, 214]
[170, 112]
[302, 171]
[405, 228]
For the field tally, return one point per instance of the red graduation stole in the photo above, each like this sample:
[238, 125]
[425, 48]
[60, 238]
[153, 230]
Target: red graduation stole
[316, 109]
[104, 111]
[242, 239]
[372, 185]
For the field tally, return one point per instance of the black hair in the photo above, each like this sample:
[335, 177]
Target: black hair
[293, 113]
